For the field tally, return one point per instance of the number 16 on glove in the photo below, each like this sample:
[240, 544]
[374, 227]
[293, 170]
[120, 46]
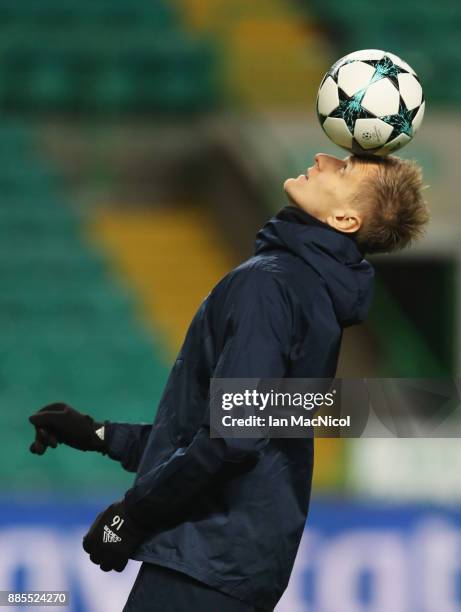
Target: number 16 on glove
[113, 538]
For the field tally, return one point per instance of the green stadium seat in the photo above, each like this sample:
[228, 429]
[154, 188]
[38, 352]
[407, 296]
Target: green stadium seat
[112, 88]
[60, 55]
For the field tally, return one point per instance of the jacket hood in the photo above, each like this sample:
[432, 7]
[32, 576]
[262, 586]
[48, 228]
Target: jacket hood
[333, 255]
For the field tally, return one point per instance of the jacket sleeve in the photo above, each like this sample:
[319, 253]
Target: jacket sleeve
[256, 345]
[125, 442]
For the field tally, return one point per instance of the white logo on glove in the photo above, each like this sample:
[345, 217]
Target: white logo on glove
[110, 536]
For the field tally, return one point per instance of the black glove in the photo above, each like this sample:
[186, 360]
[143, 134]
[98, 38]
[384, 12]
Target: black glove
[60, 424]
[113, 538]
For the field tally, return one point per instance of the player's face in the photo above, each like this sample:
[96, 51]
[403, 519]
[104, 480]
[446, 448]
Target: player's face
[329, 185]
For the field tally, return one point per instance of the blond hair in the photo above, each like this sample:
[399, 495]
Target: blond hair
[395, 211]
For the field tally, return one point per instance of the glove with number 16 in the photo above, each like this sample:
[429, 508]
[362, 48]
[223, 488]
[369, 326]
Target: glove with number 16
[113, 538]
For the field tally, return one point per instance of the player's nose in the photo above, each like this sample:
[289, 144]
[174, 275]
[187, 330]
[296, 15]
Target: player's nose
[323, 161]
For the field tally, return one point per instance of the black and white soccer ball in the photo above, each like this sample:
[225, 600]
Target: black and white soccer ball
[370, 102]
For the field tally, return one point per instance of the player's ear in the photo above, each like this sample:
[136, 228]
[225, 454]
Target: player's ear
[347, 221]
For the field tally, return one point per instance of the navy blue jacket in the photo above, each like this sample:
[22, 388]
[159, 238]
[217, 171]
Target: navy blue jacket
[231, 512]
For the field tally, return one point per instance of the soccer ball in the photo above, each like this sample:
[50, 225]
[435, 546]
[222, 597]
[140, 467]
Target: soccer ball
[370, 102]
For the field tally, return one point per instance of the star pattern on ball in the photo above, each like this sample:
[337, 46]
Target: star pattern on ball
[350, 108]
[402, 122]
[385, 68]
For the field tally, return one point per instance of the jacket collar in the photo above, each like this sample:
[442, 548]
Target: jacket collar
[295, 214]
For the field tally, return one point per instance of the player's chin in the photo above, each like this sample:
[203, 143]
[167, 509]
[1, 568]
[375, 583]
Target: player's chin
[292, 189]
[288, 184]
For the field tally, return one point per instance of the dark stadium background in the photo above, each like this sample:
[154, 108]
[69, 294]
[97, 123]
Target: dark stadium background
[142, 144]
